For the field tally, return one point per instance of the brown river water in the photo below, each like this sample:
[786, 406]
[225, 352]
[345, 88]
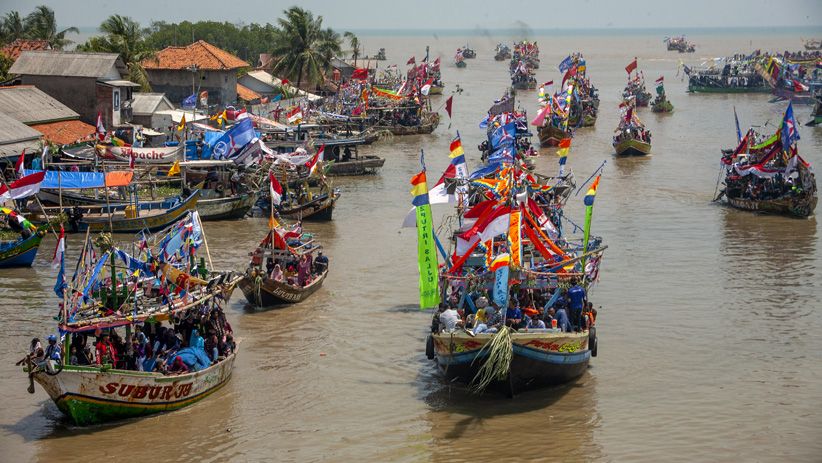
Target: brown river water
[710, 327]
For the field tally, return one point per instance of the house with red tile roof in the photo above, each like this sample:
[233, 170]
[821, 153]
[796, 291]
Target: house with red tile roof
[13, 49]
[182, 71]
[58, 123]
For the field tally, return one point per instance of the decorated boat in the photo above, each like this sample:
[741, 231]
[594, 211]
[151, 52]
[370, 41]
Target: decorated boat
[459, 59]
[320, 207]
[109, 386]
[770, 176]
[574, 105]
[286, 267]
[19, 252]
[812, 44]
[680, 44]
[816, 113]
[502, 324]
[345, 159]
[468, 52]
[631, 138]
[502, 52]
[661, 103]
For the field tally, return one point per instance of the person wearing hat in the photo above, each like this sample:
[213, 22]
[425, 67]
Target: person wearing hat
[52, 354]
[489, 320]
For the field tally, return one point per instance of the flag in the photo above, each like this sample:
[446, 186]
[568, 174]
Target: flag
[174, 169]
[550, 82]
[562, 152]
[182, 125]
[20, 165]
[565, 64]
[660, 80]
[233, 140]
[426, 252]
[540, 119]
[411, 61]
[131, 160]
[58, 260]
[204, 98]
[275, 189]
[500, 266]
[799, 86]
[315, 160]
[444, 191]
[295, 115]
[631, 66]
[738, 132]
[589, 209]
[360, 74]
[190, 102]
[515, 238]
[116, 141]
[449, 104]
[503, 136]
[101, 130]
[570, 73]
[790, 133]
[426, 87]
[456, 147]
[23, 188]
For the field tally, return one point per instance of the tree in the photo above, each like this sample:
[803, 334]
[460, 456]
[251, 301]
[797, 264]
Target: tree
[304, 49]
[122, 35]
[355, 46]
[41, 24]
[11, 27]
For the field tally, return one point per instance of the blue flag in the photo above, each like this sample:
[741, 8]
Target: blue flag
[790, 132]
[738, 132]
[233, 140]
[190, 102]
[503, 136]
[565, 64]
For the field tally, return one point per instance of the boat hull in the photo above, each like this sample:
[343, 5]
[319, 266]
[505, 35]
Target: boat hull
[315, 210]
[275, 294]
[232, 207]
[540, 359]
[632, 148]
[356, 167]
[89, 395]
[704, 89]
[138, 224]
[795, 207]
[551, 136]
[20, 253]
[436, 90]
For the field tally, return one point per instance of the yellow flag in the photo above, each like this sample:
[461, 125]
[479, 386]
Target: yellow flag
[174, 170]
[182, 125]
[272, 223]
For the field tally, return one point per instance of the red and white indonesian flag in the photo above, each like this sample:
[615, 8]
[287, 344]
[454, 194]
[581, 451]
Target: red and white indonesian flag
[660, 80]
[60, 249]
[23, 188]
[492, 223]
[101, 130]
[20, 165]
[318, 157]
[426, 88]
[275, 189]
[542, 219]
[295, 115]
[440, 193]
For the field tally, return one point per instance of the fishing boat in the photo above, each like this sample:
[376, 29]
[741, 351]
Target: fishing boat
[21, 251]
[816, 113]
[770, 176]
[415, 126]
[502, 52]
[550, 135]
[273, 275]
[661, 103]
[345, 159]
[321, 207]
[631, 138]
[737, 74]
[459, 59]
[636, 89]
[812, 44]
[182, 372]
[509, 280]
[679, 44]
[468, 52]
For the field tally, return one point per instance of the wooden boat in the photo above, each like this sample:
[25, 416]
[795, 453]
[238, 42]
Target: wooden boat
[632, 147]
[540, 359]
[126, 221]
[816, 114]
[662, 106]
[428, 124]
[366, 164]
[272, 293]
[551, 136]
[226, 208]
[20, 253]
[796, 206]
[320, 208]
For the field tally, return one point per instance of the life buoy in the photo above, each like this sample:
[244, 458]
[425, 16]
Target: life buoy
[429, 347]
[592, 341]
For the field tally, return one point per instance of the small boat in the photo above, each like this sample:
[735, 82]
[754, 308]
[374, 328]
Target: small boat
[436, 89]
[631, 138]
[276, 252]
[459, 58]
[468, 52]
[22, 251]
[427, 124]
[816, 114]
[631, 147]
[461, 64]
[359, 165]
[227, 207]
[812, 44]
[551, 136]
[321, 207]
[662, 105]
[114, 389]
[502, 52]
[134, 220]
[679, 44]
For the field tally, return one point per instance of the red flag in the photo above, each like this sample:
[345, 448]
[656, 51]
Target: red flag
[660, 80]
[19, 166]
[276, 190]
[284, 82]
[411, 61]
[448, 105]
[131, 160]
[360, 74]
[550, 82]
[23, 188]
[312, 163]
[568, 74]
[631, 66]
[629, 113]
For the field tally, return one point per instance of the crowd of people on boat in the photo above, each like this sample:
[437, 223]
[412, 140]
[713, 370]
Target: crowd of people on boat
[757, 188]
[561, 310]
[192, 341]
[632, 131]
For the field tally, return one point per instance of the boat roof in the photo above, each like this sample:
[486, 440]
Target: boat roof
[208, 163]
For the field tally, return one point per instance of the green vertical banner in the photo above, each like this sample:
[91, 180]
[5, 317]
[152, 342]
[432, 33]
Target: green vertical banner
[426, 250]
[589, 211]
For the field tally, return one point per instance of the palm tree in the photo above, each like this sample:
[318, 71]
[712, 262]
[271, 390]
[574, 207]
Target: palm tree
[41, 24]
[355, 46]
[11, 27]
[122, 35]
[303, 48]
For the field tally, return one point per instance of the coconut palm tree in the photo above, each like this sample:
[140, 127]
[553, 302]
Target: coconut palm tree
[11, 27]
[304, 49]
[123, 35]
[355, 46]
[41, 24]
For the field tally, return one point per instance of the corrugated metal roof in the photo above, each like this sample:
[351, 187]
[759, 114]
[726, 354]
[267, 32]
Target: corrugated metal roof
[15, 136]
[144, 104]
[30, 105]
[66, 64]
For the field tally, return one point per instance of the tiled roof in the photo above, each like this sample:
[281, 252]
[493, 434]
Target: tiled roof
[65, 132]
[30, 105]
[246, 94]
[202, 54]
[13, 50]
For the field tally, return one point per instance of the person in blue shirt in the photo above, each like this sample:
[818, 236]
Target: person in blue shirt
[513, 317]
[53, 354]
[577, 296]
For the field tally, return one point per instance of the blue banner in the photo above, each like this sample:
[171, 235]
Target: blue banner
[233, 140]
[501, 288]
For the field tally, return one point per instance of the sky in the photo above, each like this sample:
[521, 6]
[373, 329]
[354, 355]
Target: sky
[358, 15]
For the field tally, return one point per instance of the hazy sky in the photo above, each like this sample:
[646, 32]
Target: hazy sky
[451, 14]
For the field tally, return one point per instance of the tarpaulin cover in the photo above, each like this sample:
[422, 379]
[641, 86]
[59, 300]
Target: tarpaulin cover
[77, 180]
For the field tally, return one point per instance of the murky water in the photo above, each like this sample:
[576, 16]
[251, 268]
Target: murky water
[710, 326]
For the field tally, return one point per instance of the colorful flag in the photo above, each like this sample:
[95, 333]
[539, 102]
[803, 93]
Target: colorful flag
[449, 105]
[426, 87]
[233, 140]
[275, 189]
[315, 160]
[190, 102]
[565, 64]
[540, 119]
[20, 165]
[182, 125]
[59, 261]
[101, 130]
[500, 266]
[295, 115]
[790, 132]
[562, 152]
[116, 141]
[515, 238]
[799, 86]
[570, 73]
[456, 147]
[26, 186]
[660, 80]
[589, 209]
[631, 66]
[426, 251]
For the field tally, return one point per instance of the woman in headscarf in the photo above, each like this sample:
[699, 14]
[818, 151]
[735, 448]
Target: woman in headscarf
[276, 273]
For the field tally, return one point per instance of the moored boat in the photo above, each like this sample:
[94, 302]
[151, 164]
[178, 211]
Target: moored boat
[21, 251]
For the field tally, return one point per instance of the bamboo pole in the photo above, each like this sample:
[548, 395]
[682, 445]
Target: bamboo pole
[205, 242]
